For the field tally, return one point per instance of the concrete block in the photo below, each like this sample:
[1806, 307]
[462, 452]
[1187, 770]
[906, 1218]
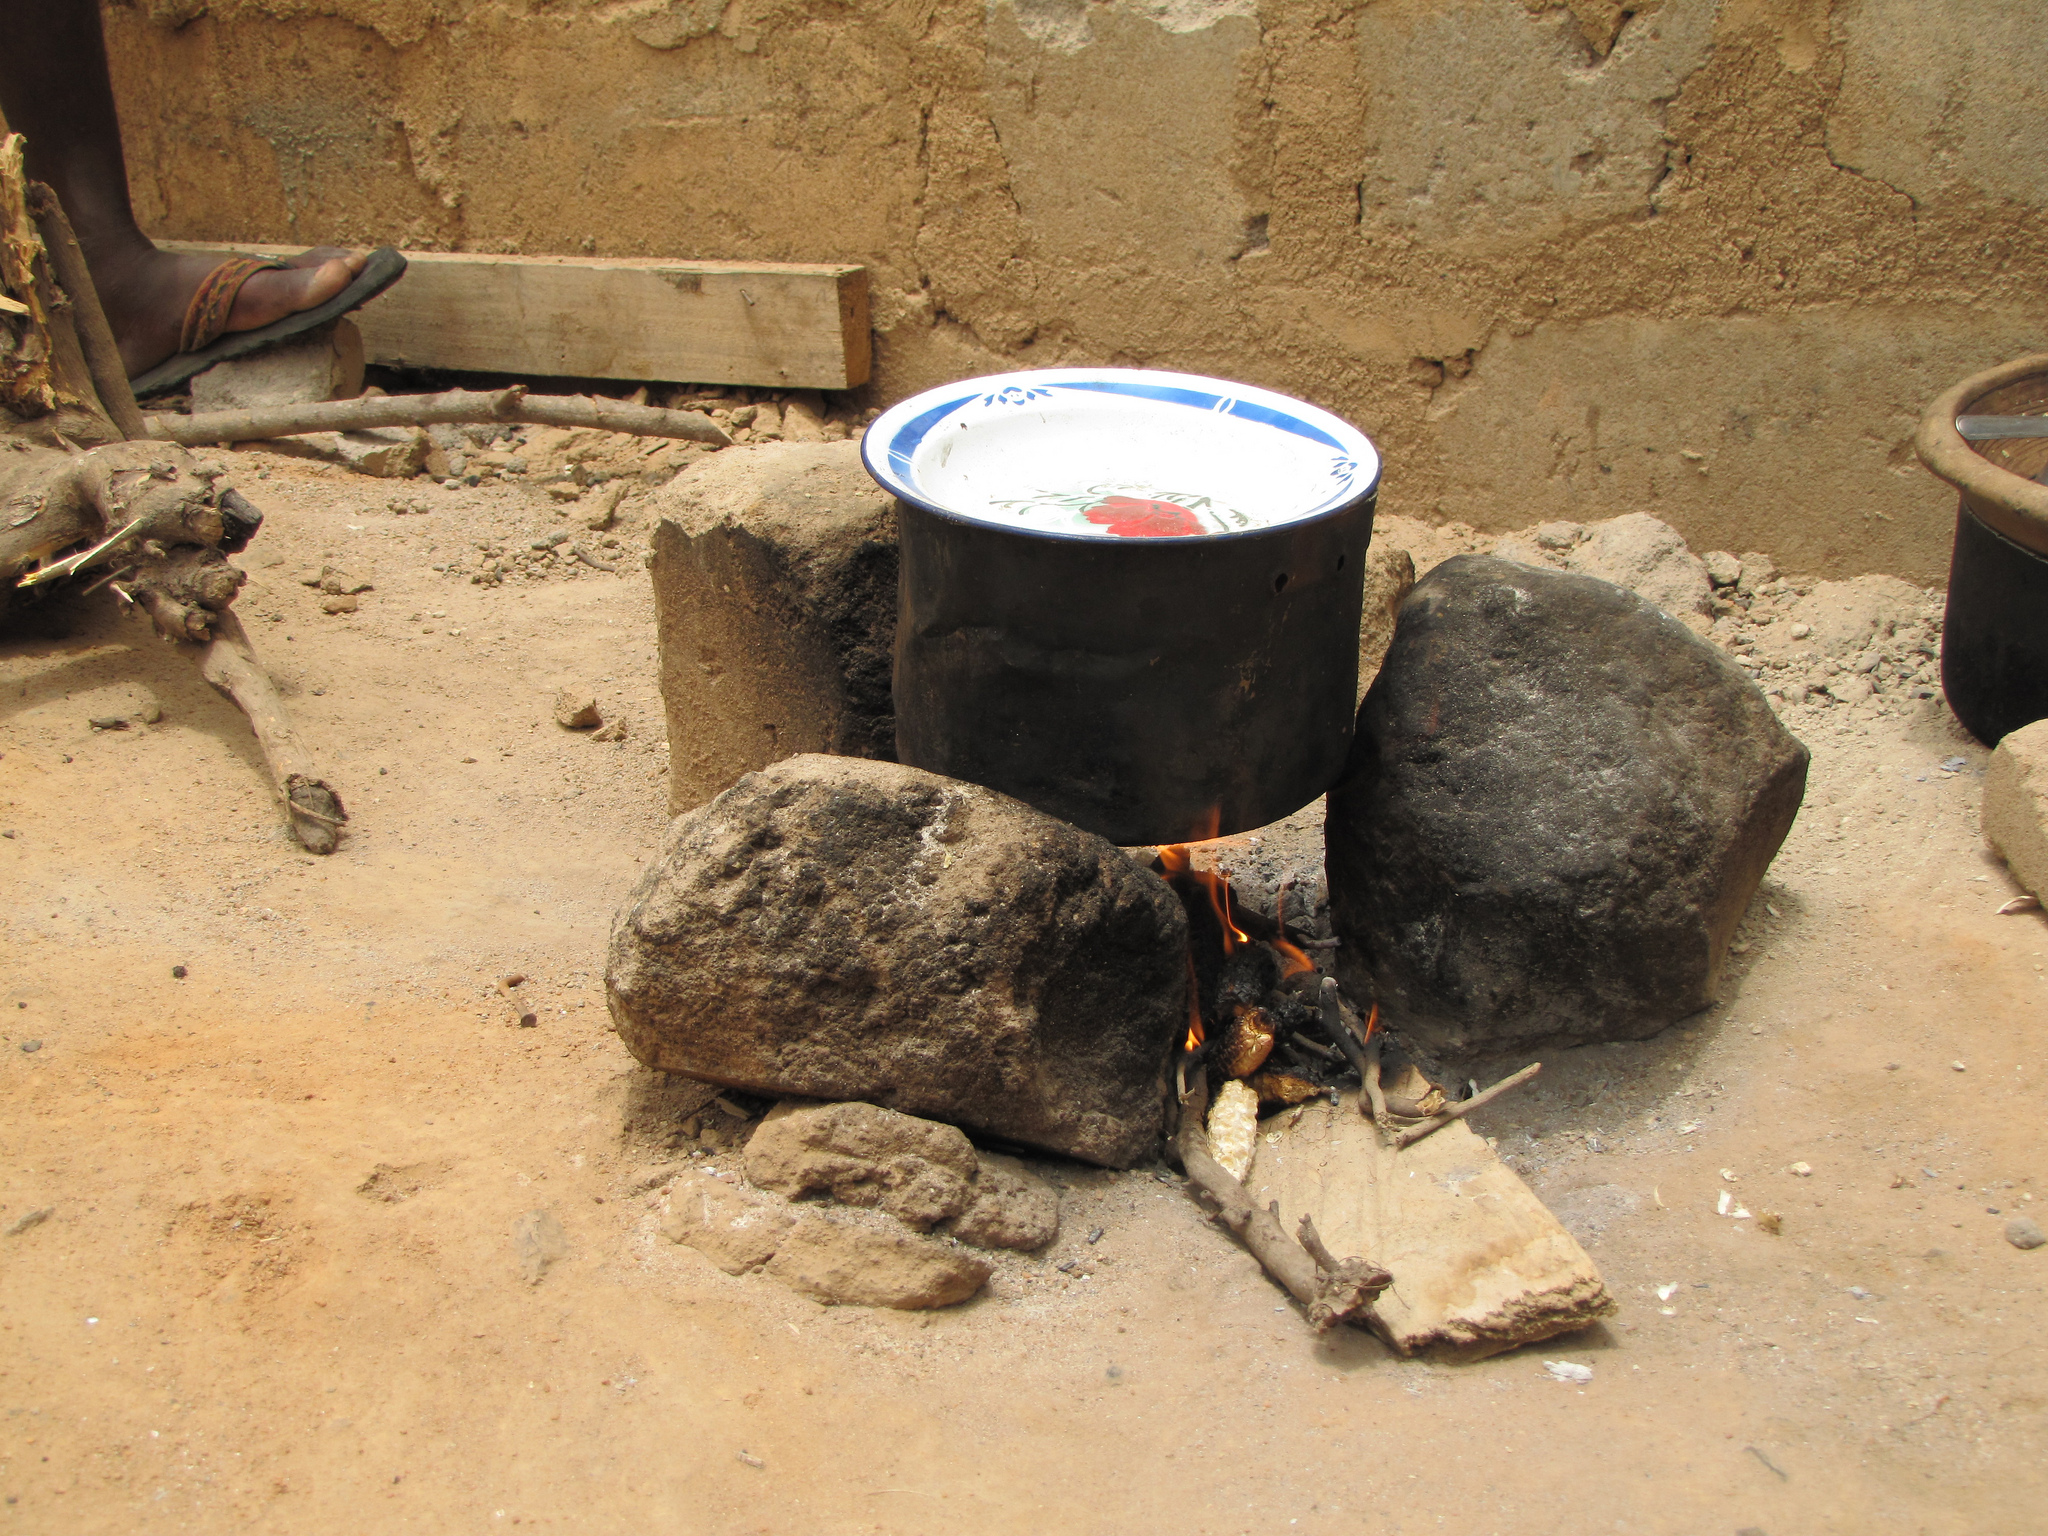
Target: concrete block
[2016, 805]
[323, 365]
[774, 573]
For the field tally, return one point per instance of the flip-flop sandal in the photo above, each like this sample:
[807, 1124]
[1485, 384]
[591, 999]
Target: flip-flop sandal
[201, 343]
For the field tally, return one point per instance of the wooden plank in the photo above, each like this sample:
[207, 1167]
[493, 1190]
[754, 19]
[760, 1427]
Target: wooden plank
[780, 326]
[1479, 1263]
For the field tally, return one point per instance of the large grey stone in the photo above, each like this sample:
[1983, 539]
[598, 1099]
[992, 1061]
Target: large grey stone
[1558, 804]
[775, 595]
[837, 928]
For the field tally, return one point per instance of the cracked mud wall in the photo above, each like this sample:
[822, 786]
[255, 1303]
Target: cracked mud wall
[1705, 260]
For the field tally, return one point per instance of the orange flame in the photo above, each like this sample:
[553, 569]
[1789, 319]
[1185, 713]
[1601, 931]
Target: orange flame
[1293, 961]
[1174, 859]
[1195, 1035]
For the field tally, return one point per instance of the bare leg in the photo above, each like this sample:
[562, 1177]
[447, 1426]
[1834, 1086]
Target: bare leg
[55, 91]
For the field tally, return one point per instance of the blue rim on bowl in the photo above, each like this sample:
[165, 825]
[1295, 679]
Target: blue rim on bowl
[1119, 453]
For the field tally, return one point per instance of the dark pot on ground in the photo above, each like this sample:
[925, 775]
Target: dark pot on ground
[1994, 650]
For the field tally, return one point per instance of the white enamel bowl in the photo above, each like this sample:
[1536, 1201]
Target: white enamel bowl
[1118, 453]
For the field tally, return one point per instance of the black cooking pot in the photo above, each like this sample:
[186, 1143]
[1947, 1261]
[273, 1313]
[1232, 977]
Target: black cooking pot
[1994, 638]
[1156, 687]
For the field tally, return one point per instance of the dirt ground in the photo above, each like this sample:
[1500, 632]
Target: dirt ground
[277, 1289]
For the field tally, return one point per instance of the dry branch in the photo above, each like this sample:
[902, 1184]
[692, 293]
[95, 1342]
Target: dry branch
[1333, 1290]
[450, 407]
[96, 342]
[1485, 1096]
[230, 664]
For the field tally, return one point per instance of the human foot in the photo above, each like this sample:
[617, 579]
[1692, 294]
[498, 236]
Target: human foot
[146, 295]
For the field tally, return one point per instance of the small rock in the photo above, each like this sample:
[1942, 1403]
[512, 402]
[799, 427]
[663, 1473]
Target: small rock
[576, 710]
[803, 418]
[2024, 1232]
[919, 1171]
[539, 1241]
[150, 712]
[389, 453]
[1559, 536]
[743, 415]
[616, 730]
[41, 1214]
[30, 1047]
[108, 723]
[1801, 1170]
[311, 576]
[1012, 1208]
[565, 490]
[736, 1228]
[840, 1260]
[179, 972]
[326, 364]
[1723, 569]
[339, 604]
[1650, 559]
[1957, 1066]
[341, 583]
[1757, 570]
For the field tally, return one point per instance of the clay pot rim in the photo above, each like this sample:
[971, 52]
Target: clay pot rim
[2005, 502]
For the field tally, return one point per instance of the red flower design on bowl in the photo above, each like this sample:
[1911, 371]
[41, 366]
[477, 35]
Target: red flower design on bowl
[1134, 517]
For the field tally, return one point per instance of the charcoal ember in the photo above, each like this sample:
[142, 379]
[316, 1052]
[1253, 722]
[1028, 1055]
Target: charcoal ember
[839, 928]
[1558, 804]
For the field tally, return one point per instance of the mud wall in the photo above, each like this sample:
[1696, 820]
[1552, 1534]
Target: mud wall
[1701, 258]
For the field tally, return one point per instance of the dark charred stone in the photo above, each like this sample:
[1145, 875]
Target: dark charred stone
[835, 928]
[1558, 804]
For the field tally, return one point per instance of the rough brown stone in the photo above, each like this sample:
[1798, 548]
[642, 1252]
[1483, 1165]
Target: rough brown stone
[1650, 559]
[774, 575]
[576, 710]
[836, 928]
[919, 1171]
[2016, 805]
[1011, 1208]
[389, 453]
[734, 1227]
[840, 1260]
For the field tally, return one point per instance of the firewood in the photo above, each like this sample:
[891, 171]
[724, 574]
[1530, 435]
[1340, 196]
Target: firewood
[1415, 1133]
[230, 664]
[1333, 1290]
[512, 404]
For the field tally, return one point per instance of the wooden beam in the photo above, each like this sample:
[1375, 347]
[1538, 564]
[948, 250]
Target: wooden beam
[779, 326]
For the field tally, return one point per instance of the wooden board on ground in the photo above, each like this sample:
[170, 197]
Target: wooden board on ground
[1479, 1263]
[778, 326]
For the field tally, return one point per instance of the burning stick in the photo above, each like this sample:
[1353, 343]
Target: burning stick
[1365, 1057]
[1415, 1133]
[1334, 1290]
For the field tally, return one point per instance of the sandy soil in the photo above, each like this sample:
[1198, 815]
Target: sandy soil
[277, 1290]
